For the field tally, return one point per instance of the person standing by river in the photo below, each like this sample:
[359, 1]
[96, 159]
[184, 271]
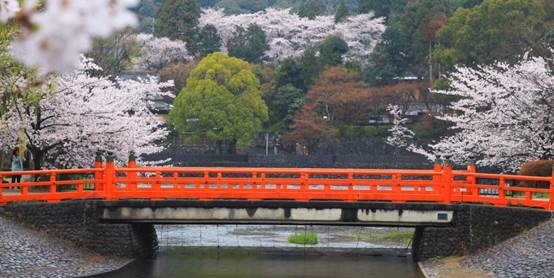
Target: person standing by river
[17, 164]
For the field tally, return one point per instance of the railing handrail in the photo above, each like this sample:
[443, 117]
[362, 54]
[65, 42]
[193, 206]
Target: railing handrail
[440, 184]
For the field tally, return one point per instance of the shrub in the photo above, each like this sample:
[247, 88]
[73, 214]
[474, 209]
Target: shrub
[541, 168]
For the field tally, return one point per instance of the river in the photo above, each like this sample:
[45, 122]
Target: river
[263, 251]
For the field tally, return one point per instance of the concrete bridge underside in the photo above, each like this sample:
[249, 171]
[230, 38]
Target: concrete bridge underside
[276, 212]
[126, 227]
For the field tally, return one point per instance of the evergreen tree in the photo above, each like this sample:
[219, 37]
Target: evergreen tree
[310, 66]
[177, 19]
[341, 13]
[208, 42]
[249, 44]
[311, 9]
[331, 51]
[290, 72]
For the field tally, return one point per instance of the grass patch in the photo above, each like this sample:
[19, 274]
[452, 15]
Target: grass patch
[304, 238]
[402, 237]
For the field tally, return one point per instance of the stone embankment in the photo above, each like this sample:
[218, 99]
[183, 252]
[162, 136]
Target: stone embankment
[529, 254]
[25, 252]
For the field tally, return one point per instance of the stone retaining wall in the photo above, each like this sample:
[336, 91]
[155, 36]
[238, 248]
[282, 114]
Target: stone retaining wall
[77, 221]
[474, 227]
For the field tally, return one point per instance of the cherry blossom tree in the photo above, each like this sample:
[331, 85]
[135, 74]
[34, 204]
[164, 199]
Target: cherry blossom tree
[84, 114]
[400, 136]
[160, 52]
[504, 115]
[54, 36]
[288, 34]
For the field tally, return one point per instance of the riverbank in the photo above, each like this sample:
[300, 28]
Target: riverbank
[25, 252]
[527, 255]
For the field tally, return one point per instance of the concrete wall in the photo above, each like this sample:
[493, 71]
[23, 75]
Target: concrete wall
[474, 227]
[78, 222]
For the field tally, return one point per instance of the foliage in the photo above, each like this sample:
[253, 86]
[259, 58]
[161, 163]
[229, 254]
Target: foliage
[208, 42]
[289, 35]
[78, 115]
[146, 12]
[496, 30]
[179, 73]
[17, 82]
[504, 115]
[303, 238]
[290, 72]
[331, 51]
[410, 34]
[380, 7]
[310, 9]
[541, 168]
[352, 132]
[116, 53]
[177, 20]
[249, 44]
[284, 103]
[342, 12]
[221, 101]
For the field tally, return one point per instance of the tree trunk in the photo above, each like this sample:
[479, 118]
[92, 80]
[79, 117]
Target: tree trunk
[232, 148]
[218, 147]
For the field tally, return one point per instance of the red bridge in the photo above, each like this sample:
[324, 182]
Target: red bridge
[441, 184]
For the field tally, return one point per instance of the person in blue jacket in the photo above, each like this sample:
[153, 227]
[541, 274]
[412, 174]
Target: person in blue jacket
[17, 165]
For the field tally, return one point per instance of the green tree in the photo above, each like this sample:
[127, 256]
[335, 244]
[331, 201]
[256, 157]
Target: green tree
[208, 41]
[331, 51]
[311, 9]
[341, 13]
[404, 49]
[115, 54]
[222, 102]
[310, 67]
[177, 19]
[249, 44]
[496, 30]
[283, 104]
[290, 72]
[17, 82]
[381, 8]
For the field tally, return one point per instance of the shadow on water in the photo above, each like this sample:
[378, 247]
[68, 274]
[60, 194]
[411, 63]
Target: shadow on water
[270, 262]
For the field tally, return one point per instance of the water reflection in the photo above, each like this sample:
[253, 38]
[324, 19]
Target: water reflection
[269, 262]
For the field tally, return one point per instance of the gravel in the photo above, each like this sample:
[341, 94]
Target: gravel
[25, 252]
[529, 254]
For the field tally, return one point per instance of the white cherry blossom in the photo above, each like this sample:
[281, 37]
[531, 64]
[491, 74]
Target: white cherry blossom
[8, 9]
[159, 52]
[65, 28]
[504, 115]
[87, 114]
[288, 34]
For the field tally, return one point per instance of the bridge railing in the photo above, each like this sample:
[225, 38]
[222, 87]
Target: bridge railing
[441, 184]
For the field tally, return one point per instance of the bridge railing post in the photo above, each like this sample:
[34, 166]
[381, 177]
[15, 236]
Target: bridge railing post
[447, 181]
[131, 175]
[109, 177]
[98, 175]
[472, 181]
[551, 196]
